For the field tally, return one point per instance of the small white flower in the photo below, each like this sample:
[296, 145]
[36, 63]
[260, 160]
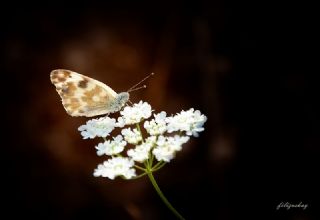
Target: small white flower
[180, 122]
[120, 123]
[141, 152]
[189, 121]
[111, 147]
[134, 114]
[117, 166]
[197, 125]
[100, 127]
[151, 140]
[132, 137]
[157, 125]
[168, 146]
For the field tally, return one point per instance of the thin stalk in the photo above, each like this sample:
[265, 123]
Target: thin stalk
[140, 168]
[139, 129]
[155, 168]
[164, 199]
[137, 177]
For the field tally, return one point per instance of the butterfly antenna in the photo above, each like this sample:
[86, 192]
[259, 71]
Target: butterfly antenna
[134, 87]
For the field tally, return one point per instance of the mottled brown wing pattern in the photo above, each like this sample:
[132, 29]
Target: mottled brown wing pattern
[82, 95]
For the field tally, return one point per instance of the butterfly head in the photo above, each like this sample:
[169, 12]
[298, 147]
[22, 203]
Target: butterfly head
[120, 100]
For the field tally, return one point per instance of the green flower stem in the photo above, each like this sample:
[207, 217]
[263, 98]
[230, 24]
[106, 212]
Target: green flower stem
[139, 129]
[164, 199]
[137, 177]
[158, 167]
[151, 156]
[140, 168]
[148, 164]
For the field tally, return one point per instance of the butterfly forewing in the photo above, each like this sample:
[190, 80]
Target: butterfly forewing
[82, 95]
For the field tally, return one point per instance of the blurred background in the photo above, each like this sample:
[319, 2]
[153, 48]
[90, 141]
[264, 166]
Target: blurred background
[248, 67]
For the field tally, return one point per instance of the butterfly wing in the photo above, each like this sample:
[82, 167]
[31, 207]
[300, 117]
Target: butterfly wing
[82, 95]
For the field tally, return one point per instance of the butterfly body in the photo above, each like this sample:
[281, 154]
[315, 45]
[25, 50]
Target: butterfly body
[84, 96]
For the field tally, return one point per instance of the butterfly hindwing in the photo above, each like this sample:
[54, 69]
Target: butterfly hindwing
[82, 95]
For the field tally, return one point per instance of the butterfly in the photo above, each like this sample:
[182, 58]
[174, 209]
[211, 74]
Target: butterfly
[84, 96]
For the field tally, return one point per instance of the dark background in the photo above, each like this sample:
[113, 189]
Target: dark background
[249, 67]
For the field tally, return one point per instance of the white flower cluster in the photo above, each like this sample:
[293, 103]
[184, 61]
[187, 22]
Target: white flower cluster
[134, 114]
[190, 121]
[117, 166]
[111, 147]
[157, 144]
[100, 127]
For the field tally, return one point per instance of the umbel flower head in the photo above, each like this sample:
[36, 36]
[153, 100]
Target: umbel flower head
[130, 150]
[143, 144]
